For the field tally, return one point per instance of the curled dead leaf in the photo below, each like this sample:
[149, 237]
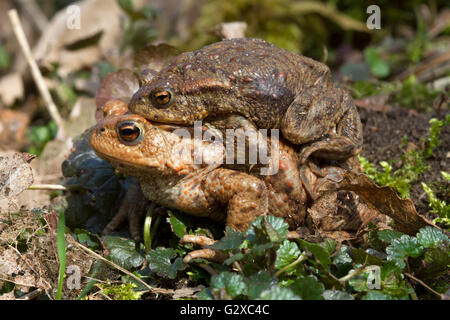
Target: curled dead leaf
[155, 57]
[120, 85]
[16, 174]
[13, 127]
[383, 199]
[76, 46]
[11, 88]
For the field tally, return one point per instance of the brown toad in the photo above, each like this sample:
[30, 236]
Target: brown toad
[161, 158]
[271, 87]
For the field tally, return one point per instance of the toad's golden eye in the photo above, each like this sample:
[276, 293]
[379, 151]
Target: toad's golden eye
[129, 132]
[162, 97]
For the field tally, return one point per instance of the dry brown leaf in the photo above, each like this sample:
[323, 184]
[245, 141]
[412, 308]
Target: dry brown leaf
[118, 85]
[383, 199]
[155, 57]
[16, 174]
[11, 88]
[15, 268]
[187, 292]
[13, 127]
[97, 18]
[376, 103]
[340, 211]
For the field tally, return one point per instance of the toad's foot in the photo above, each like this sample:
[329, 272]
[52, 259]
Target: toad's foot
[333, 148]
[206, 253]
[132, 208]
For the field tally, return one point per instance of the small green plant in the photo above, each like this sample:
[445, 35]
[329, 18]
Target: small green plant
[5, 58]
[408, 94]
[122, 291]
[61, 248]
[415, 95]
[38, 136]
[378, 67]
[262, 263]
[136, 27]
[439, 207]
[413, 163]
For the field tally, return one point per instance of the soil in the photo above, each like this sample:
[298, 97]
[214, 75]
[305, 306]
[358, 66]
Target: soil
[384, 133]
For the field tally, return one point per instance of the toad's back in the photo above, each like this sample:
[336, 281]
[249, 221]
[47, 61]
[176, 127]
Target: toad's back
[252, 74]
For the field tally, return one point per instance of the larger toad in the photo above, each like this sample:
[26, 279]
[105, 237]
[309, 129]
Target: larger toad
[271, 87]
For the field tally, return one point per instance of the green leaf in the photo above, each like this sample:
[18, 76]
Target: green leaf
[389, 235]
[235, 257]
[329, 245]
[178, 226]
[430, 237]
[270, 231]
[337, 295]
[84, 237]
[277, 293]
[5, 58]
[343, 261]
[259, 282]
[205, 294]
[274, 228]
[123, 252]
[232, 240]
[435, 262]
[318, 251]
[233, 283]
[308, 288]
[402, 248]
[286, 254]
[280, 226]
[446, 175]
[260, 249]
[376, 295]
[378, 67]
[126, 5]
[61, 249]
[361, 257]
[159, 261]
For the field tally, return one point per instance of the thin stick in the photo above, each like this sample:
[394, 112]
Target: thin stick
[31, 295]
[424, 284]
[36, 73]
[112, 264]
[48, 187]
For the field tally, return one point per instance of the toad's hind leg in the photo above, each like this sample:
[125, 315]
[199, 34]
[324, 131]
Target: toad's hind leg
[328, 124]
[246, 196]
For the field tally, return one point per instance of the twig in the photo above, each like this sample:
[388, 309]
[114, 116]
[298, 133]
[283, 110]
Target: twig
[36, 73]
[112, 264]
[423, 284]
[48, 187]
[31, 295]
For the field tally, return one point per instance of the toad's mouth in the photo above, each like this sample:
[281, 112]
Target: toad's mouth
[137, 164]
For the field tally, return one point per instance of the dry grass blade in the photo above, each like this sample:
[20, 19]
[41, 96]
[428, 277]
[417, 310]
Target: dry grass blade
[115, 266]
[37, 76]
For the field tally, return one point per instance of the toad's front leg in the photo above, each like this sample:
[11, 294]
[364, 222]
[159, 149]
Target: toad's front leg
[132, 208]
[245, 195]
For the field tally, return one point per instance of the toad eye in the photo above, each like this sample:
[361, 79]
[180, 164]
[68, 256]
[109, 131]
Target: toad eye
[130, 133]
[162, 97]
